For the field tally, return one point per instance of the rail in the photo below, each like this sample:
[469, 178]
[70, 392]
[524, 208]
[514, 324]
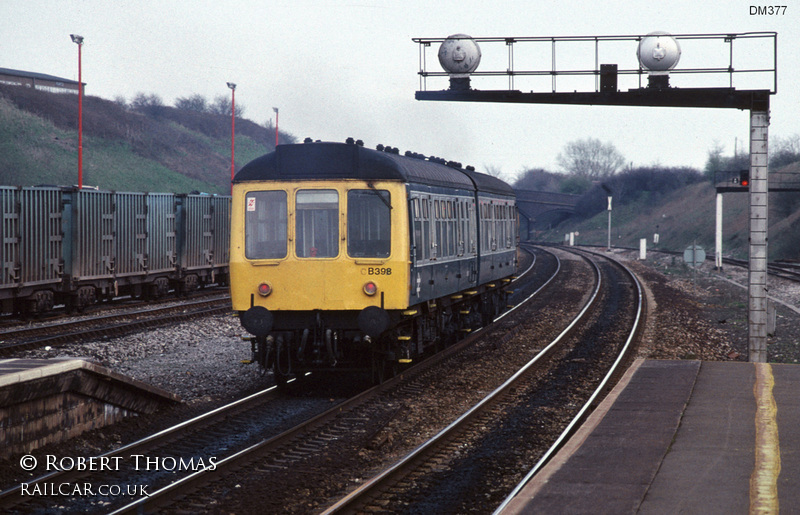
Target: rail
[589, 404]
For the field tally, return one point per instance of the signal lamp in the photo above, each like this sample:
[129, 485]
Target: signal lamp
[370, 288]
[658, 52]
[459, 55]
[744, 178]
[264, 289]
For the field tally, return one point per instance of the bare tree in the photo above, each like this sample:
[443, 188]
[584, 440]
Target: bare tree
[120, 101]
[151, 104]
[718, 162]
[590, 158]
[539, 179]
[193, 103]
[495, 171]
[222, 105]
[784, 151]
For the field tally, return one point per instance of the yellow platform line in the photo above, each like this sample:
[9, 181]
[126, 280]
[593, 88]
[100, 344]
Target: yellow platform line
[764, 480]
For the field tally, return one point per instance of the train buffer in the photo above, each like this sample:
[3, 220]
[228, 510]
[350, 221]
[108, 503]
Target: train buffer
[680, 437]
[50, 400]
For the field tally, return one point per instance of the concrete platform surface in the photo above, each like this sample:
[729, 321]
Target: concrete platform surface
[681, 437]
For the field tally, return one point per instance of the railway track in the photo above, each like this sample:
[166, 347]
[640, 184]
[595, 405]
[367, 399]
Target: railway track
[181, 442]
[466, 465]
[324, 438]
[104, 326]
[304, 462]
[784, 269]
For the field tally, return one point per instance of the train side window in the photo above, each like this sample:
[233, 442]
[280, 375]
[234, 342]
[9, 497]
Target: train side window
[369, 228]
[426, 229]
[417, 213]
[501, 227]
[451, 229]
[487, 226]
[510, 225]
[460, 227]
[441, 235]
[317, 227]
[265, 224]
[472, 227]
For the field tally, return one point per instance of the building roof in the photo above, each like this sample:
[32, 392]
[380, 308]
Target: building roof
[35, 76]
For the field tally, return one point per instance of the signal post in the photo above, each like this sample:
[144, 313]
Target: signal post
[759, 196]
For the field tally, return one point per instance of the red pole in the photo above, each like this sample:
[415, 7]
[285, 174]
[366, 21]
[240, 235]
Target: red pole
[233, 129]
[79, 40]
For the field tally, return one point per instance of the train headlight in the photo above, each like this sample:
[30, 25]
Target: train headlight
[370, 288]
[264, 289]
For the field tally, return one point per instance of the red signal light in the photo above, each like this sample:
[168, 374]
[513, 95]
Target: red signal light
[264, 289]
[744, 178]
[370, 288]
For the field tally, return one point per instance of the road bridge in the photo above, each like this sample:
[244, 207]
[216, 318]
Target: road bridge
[541, 210]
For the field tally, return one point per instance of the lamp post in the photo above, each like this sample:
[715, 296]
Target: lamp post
[276, 126]
[79, 41]
[233, 128]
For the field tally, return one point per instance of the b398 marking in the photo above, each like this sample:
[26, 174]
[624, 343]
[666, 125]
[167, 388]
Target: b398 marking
[376, 270]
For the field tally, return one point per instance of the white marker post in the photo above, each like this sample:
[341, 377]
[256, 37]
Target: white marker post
[609, 224]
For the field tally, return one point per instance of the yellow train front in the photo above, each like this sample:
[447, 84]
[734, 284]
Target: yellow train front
[352, 259]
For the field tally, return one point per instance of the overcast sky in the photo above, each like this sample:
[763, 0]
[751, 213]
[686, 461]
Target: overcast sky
[350, 68]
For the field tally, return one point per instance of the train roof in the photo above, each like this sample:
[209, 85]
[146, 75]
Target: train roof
[351, 161]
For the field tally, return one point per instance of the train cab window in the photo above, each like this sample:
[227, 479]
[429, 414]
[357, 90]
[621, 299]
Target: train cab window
[265, 225]
[317, 229]
[369, 227]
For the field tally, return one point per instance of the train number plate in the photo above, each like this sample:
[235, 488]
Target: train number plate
[376, 270]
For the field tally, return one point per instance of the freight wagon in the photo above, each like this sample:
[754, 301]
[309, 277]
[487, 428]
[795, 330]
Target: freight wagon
[74, 247]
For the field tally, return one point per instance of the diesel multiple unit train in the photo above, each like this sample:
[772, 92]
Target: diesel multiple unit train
[349, 258]
[64, 245]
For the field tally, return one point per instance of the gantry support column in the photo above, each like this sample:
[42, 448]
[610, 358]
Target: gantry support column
[757, 319]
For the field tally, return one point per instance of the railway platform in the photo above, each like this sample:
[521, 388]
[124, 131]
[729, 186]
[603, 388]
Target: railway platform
[680, 437]
[50, 400]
